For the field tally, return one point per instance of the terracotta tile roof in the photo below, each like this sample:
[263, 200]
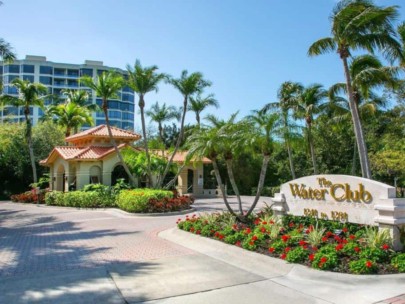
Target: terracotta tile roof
[81, 153]
[102, 131]
[180, 156]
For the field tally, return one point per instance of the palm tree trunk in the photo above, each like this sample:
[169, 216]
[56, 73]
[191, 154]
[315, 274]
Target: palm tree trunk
[358, 130]
[312, 148]
[221, 186]
[233, 183]
[177, 143]
[266, 159]
[171, 183]
[354, 158]
[117, 151]
[141, 107]
[197, 117]
[289, 150]
[28, 136]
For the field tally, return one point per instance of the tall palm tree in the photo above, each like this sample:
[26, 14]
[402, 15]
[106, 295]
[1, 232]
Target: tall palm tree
[266, 125]
[287, 95]
[69, 115]
[188, 86]
[161, 114]
[366, 72]
[29, 95]
[144, 80]
[199, 104]
[107, 86]
[308, 104]
[359, 24]
[6, 51]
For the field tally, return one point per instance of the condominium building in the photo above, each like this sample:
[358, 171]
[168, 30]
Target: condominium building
[58, 76]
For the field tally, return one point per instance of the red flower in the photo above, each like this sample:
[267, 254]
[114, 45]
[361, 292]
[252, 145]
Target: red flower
[216, 234]
[221, 236]
[257, 221]
[329, 234]
[198, 232]
[235, 227]
[339, 247]
[271, 222]
[254, 238]
[251, 243]
[264, 223]
[247, 231]
[283, 256]
[357, 249]
[287, 249]
[385, 247]
[291, 224]
[324, 239]
[345, 229]
[311, 257]
[352, 237]
[271, 249]
[344, 241]
[324, 260]
[285, 238]
[238, 243]
[307, 231]
[192, 229]
[302, 243]
[315, 248]
[337, 239]
[263, 230]
[369, 264]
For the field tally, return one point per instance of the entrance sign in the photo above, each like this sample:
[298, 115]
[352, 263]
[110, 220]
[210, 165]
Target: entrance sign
[343, 198]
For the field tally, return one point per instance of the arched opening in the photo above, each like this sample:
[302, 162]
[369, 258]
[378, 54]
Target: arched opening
[118, 173]
[190, 180]
[95, 175]
[60, 178]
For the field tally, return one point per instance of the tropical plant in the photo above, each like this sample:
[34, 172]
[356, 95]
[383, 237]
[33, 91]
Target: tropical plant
[199, 104]
[70, 116]
[106, 86]
[376, 238]
[161, 114]
[29, 95]
[308, 104]
[188, 86]
[356, 25]
[81, 98]
[6, 51]
[144, 80]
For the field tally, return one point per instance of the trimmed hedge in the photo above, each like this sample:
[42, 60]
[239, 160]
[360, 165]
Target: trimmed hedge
[137, 200]
[80, 199]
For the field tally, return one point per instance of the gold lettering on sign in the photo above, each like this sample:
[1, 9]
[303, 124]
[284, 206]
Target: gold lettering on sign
[339, 192]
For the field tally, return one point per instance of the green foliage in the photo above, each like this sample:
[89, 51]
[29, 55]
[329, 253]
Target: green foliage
[375, 254]
[314, 237]
[325, 259]
[363, 266]
[376, 238]
[80, 199]
[297, 255]
[136, 200]
[399, 262]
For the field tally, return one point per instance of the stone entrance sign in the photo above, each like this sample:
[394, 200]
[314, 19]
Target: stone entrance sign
[343, 198]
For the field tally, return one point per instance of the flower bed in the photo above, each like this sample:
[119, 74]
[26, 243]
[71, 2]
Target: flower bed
[29, 197]
[324, 245]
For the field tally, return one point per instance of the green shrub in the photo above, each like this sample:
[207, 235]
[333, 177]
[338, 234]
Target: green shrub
[297, 255]
[80, 199]
[325, 260]
[136, 200]
[375, 254]
[399, 262]
[363, 266]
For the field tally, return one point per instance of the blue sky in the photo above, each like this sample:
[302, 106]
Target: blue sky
[246, 48]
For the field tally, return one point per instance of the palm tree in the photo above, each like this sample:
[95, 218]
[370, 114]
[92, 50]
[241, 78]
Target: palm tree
[287, 95]
[69, 115]
[366, 72]
[308, 104]
[6, 51]
[204, 142]
[266, 125]
[107, 86]
[187, 85]
[162, 114]
[30, 94]
[199, 104]
[359, 24]
[80, 98]
[144, 80]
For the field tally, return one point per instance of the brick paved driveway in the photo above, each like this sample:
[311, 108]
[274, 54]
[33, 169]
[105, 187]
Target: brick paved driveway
[35, 239]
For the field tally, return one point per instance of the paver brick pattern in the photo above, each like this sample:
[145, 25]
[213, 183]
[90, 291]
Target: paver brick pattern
[36, 239]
